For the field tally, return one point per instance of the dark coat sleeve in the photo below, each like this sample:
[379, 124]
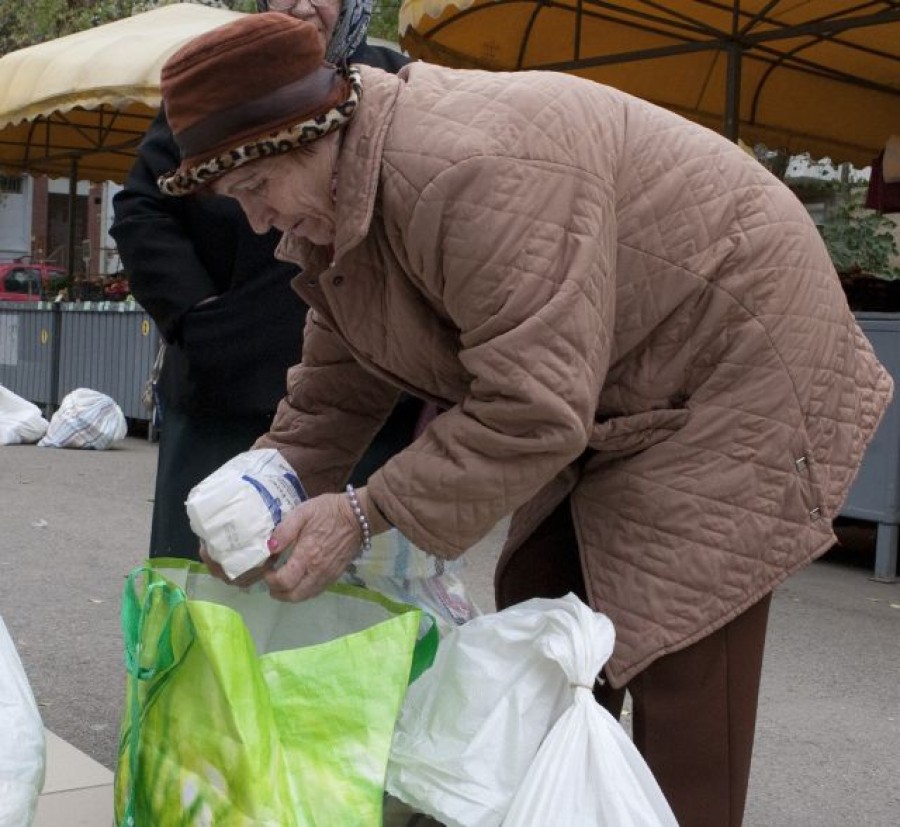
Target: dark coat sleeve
[229, 355]
[380, 57]
[151, 231]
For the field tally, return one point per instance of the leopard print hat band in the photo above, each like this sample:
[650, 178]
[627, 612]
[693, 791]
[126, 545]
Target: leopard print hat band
[255, 87]
[188, 180]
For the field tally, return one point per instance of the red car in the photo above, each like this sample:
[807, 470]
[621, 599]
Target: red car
[21, 282]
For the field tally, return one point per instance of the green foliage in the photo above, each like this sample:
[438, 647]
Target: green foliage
[24, 24]
[861, 241]
[384, 20]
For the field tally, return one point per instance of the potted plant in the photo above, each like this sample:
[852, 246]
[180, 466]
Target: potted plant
[864, 251]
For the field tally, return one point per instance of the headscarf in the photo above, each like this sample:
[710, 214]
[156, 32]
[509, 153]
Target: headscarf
[349, 31]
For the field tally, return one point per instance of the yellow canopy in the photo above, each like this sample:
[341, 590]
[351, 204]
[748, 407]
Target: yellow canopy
[87, 99]
[822, 77]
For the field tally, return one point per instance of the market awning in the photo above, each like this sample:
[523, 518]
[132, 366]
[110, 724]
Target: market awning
[80, 104]
[820, 77]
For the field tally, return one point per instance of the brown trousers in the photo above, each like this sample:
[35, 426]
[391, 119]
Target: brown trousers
[694, 711]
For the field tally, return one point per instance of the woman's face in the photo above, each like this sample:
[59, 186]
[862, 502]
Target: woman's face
[291, 192]
[323, 14]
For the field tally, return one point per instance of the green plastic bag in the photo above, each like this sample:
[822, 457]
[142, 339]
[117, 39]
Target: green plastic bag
[241, 710]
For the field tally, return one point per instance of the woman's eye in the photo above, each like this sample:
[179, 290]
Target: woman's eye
[254, 187]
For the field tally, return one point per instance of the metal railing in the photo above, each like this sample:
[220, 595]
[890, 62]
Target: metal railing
[49, 349]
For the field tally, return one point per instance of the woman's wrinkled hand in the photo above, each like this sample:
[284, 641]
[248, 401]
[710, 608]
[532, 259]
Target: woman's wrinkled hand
[325, 536]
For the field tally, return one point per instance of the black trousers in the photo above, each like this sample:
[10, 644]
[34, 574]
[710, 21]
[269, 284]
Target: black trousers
[694, 711]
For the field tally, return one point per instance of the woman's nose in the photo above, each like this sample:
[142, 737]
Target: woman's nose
[258, 215]
[303, 9]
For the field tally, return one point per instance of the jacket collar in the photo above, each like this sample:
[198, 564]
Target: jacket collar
[359, 169]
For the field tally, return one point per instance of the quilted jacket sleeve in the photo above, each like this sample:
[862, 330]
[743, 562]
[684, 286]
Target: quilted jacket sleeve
[342, 406]
[521, 255]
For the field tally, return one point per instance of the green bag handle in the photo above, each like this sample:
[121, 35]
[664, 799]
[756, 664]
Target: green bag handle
[424, 651]
[135, 611]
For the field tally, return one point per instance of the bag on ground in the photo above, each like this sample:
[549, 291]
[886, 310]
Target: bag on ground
[504, 730]
[85, 419]
[20, 420]
[242, 710]
[21, 740]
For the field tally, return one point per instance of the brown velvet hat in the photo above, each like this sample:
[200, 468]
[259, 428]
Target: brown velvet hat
[252, 88]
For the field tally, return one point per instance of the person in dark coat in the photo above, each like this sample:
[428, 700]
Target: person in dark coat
[224, 305]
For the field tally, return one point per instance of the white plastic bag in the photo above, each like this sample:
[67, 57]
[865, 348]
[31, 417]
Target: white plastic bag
[85, 419]
[21, 740]
[503, 729]
[20, 420]
[401, 570]
[587, 770]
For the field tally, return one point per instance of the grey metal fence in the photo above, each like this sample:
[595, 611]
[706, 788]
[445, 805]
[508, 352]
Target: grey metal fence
[875, 495]
[48, 350]
[26, 350]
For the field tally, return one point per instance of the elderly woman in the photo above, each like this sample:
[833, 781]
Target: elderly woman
[643, 348]
[191, 265]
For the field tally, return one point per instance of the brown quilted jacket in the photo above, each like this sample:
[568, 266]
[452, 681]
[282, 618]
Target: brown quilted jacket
[613, 303]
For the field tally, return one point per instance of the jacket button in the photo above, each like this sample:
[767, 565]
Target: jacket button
[800, 463]
[337, 281]
[815, 513]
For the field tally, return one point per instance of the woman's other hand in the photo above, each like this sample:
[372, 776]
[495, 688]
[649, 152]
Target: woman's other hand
[325, 536]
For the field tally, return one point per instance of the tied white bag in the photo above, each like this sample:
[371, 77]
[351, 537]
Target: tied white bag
[20, 420]
[21, 740]
[85, 419]
[502, 730]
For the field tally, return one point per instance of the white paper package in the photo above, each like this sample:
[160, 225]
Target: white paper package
[235, 509]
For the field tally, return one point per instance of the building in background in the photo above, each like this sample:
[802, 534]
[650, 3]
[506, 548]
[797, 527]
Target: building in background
[34, 224]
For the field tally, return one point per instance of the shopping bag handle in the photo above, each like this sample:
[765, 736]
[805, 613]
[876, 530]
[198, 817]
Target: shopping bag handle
[135, 611]
[425, 650]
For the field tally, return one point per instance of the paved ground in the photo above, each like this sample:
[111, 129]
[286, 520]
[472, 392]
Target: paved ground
[72, 523]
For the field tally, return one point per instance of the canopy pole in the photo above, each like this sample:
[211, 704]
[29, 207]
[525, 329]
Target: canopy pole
[70, 241]
[731, 125]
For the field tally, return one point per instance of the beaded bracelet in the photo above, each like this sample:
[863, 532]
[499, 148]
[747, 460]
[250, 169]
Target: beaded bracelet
[361, 519]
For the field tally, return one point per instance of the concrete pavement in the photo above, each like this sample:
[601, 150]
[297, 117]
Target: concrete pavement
[72, 524]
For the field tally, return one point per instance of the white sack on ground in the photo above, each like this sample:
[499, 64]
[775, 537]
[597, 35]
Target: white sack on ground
[20, 420]
[480, 732]
[22, 747]
[85, 419]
